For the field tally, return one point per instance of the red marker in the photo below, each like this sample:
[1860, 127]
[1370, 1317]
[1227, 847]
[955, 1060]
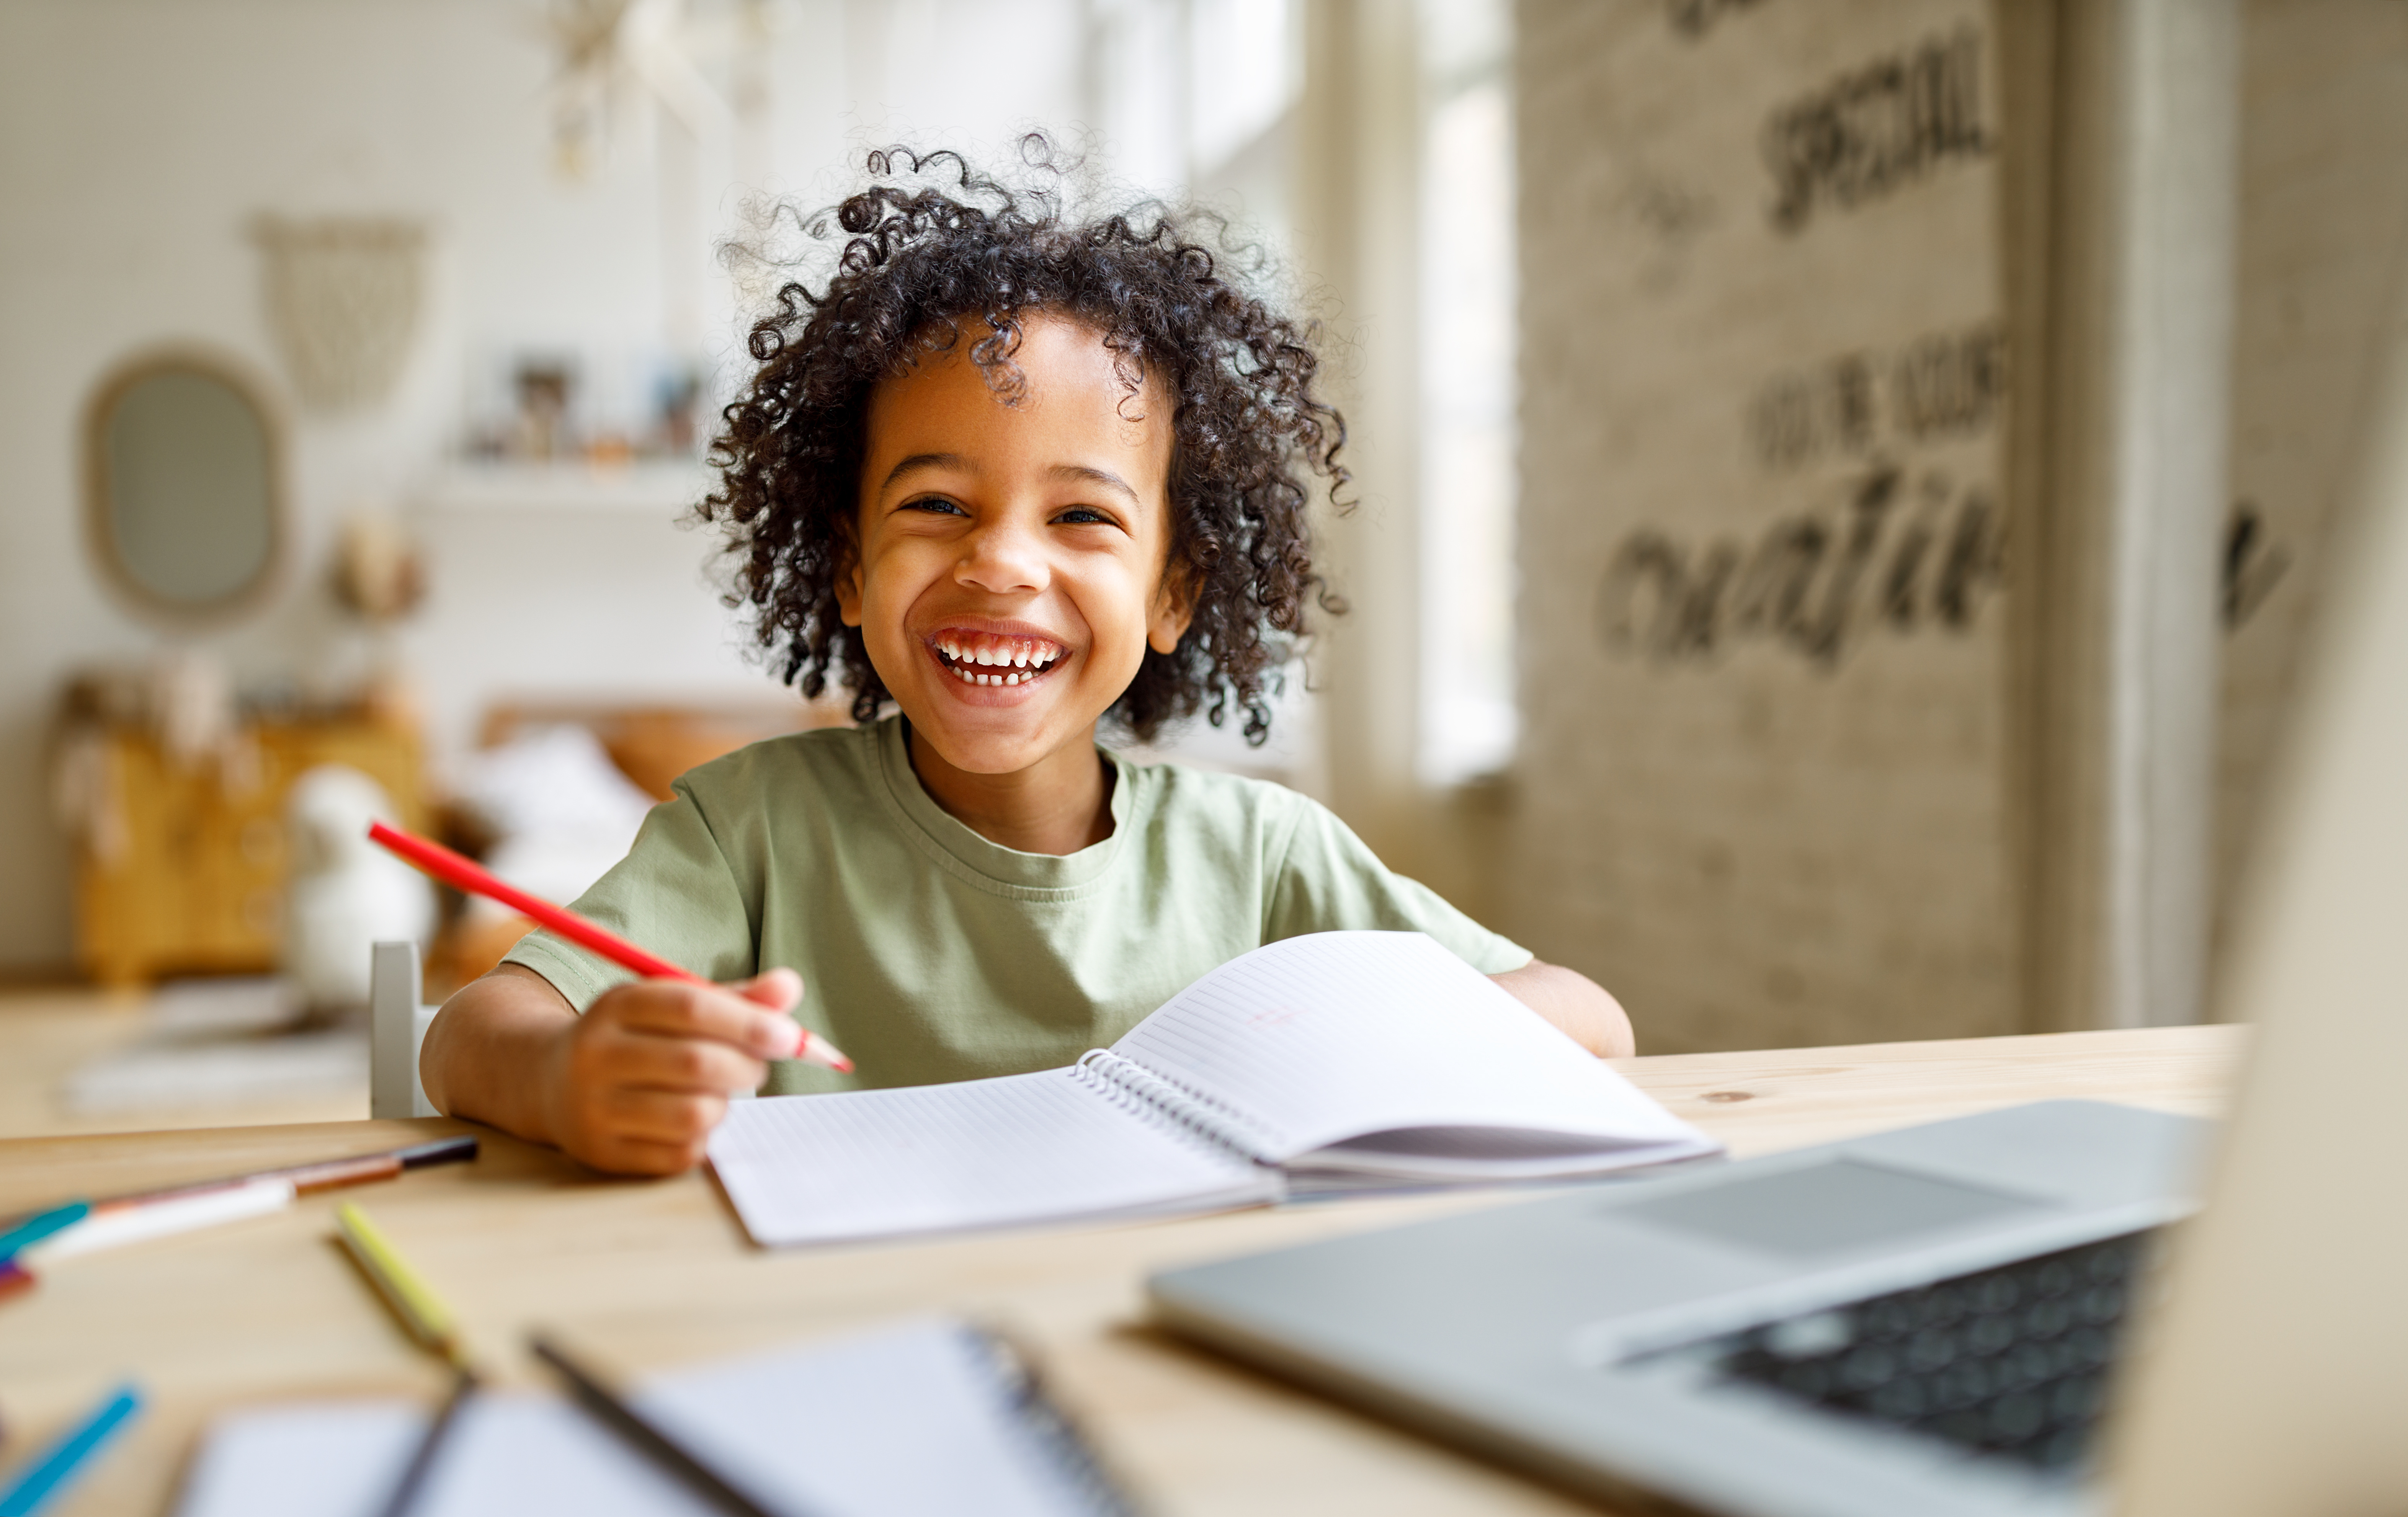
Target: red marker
[464, 873]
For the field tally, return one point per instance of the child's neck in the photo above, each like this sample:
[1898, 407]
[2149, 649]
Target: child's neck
[1058, 805]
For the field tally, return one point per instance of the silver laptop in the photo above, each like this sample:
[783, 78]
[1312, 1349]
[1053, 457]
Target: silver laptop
[2005, 1313]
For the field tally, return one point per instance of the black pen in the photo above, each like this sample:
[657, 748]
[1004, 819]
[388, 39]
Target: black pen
[646, 1436]
[430, 1443]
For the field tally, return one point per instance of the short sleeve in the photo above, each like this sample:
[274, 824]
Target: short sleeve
[1330, 881]
[673, 893]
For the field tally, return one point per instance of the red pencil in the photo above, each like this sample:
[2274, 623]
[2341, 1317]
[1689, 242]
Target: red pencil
[465, 873]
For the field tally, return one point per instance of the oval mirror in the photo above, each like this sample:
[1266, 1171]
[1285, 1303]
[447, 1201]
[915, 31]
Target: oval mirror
[185, 487]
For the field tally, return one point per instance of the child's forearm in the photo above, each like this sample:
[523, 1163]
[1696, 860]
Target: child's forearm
[487, 1053]
[1575, 1003]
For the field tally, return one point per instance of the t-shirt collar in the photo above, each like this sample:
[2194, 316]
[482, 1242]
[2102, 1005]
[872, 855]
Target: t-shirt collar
[992, 861]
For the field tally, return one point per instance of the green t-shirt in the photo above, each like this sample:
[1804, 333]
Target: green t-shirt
[929, 953]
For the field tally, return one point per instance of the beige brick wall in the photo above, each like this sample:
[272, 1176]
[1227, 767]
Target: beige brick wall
[1763, 792]
[2324, 247]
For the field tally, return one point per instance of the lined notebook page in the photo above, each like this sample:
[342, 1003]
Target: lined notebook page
[980, 1153]
[1334, 1035]
[910, 1418]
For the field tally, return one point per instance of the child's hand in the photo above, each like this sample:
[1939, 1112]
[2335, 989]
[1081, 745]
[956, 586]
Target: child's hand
[636, 1083]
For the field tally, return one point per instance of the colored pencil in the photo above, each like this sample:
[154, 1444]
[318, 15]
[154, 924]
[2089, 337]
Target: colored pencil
[428, 1321]
[49, 1475]
[305, 1179]
[14, 1278]
[40, 1226]
[463, 873]
[319, 1174]
[414, 1301]
[644, 1435]
[121, 1225]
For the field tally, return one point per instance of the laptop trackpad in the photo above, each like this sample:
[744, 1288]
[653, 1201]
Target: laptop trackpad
[1836, 1207]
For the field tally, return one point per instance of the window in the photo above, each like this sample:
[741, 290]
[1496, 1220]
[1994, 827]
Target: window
[1469, 717]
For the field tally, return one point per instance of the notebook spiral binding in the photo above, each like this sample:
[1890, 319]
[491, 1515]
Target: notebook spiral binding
[1049, 1428]
[1139, 1090]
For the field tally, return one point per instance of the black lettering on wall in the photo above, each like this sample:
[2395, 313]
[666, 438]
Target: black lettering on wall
[1949, 384]
[1940, 386]
[1876, 129]
[1694, 18]
[1797, 417]
[2251, 564]
[1813, 582]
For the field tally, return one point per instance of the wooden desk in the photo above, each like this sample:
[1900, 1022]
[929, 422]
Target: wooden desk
[655, 1273]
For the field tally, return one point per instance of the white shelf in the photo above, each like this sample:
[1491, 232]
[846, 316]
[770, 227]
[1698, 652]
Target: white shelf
[648, 485]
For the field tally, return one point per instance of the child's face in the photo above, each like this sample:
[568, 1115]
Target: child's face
[1010, 567]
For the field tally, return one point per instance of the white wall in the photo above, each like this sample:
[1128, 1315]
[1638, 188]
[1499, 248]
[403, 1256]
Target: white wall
[137, 137]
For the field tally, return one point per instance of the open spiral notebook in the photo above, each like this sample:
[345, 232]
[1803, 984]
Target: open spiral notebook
[1335, 1060]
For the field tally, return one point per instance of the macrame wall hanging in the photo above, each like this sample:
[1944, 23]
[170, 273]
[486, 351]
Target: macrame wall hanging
[343, 295]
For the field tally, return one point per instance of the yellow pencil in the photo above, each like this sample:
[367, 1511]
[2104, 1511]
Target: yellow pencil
[419, 1308]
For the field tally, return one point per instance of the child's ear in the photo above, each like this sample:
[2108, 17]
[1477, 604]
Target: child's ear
[848, 585]
[1174, 607]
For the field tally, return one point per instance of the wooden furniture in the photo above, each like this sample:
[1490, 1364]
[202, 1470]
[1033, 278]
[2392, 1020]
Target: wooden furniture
[198, 883]
[652, 745]
[653, 1273]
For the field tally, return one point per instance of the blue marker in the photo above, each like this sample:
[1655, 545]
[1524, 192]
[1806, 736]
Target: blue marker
[55, 1470]
[33, 1229]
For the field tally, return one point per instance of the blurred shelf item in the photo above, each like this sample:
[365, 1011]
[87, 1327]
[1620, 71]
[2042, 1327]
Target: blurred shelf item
[660, 485]
[194, 875]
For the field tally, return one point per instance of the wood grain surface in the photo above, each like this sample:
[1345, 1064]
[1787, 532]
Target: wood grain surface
[648, 1274]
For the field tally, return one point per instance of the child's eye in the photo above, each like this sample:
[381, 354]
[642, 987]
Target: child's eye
[1081, 516]
[935, 506]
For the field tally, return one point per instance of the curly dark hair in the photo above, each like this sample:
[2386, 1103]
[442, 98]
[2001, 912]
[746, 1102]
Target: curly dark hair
[923, 260]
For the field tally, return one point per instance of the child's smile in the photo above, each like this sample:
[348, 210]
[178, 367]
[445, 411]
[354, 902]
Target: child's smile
[1010, 567]
[988, 657]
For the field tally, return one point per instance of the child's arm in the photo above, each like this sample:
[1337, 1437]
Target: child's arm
[635, 1085]
[1575, 1003]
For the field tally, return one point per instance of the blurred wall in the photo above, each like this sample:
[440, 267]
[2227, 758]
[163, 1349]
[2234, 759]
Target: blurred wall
[1818, 749]
[1764, 793]
[2324, 253]
[138, 139]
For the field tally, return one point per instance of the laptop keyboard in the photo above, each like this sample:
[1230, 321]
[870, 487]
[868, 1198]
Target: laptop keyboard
[2011, 1361]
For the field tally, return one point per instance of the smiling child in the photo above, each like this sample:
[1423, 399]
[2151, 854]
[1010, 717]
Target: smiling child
[1007, 478]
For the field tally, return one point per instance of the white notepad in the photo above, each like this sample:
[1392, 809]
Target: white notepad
[1336, 1058]
[921, 1418]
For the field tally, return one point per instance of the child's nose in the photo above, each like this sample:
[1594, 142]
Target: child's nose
[1002, 557]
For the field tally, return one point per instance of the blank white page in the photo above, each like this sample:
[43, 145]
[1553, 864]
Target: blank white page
[1336, 1034]
[1016, 1150]
[510, 1456]
[904, 1418]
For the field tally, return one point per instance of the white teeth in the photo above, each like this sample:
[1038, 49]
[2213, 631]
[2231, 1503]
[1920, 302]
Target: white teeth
[963, 657]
